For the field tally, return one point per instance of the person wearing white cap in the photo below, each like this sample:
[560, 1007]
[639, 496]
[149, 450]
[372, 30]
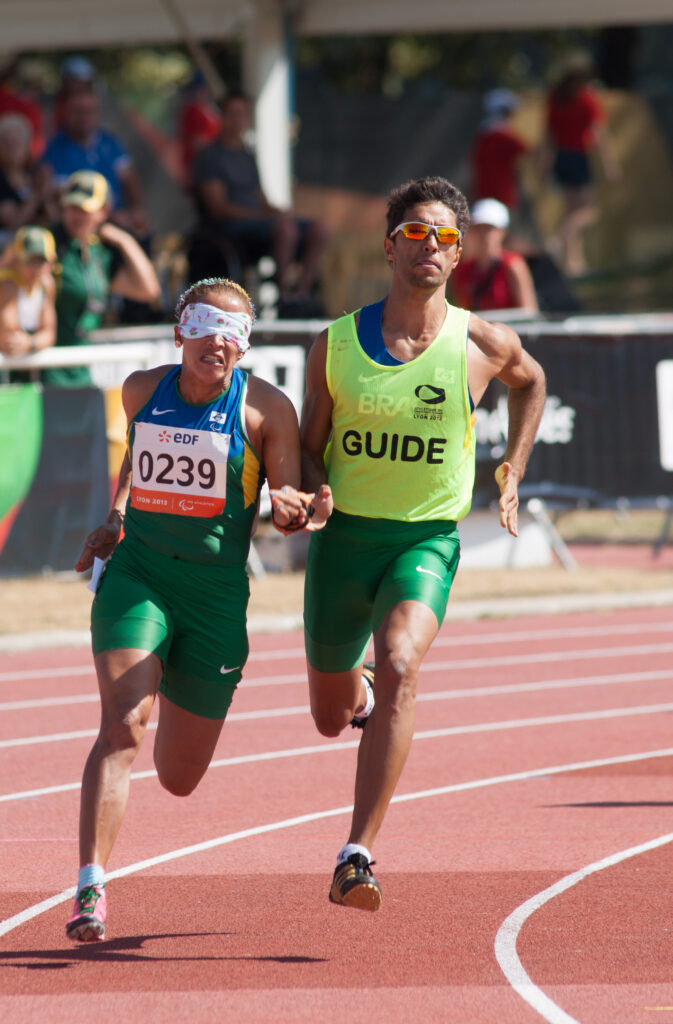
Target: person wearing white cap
[489, 276]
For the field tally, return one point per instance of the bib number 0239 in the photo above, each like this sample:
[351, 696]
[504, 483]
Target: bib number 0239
[182, 472]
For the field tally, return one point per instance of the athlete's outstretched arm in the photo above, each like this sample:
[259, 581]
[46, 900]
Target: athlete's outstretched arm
[102, 541]
[496, 351]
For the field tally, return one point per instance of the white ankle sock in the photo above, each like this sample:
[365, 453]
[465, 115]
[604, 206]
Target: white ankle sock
[90, 874]
[350, 848]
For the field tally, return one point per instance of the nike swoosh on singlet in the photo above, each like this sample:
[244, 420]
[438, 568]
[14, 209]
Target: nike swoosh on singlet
[364, 380]
[160, 412]
[225, 671]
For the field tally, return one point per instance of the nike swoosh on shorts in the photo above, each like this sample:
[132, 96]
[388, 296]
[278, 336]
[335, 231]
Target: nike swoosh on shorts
[224, 671]
[419, 568]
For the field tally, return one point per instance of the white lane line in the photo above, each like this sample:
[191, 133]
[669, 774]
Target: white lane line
[547, 684]
[428, 734]
[515, 636]
[39, 908]
[461, 665]
[538, 657]
[552, 656]
[567, 633]
[469, 640]
[434, 695]
[508, 933]
[546, 657]
[50, 702]
[21, 675]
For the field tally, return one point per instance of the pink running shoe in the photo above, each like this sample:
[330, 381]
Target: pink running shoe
[87, 923]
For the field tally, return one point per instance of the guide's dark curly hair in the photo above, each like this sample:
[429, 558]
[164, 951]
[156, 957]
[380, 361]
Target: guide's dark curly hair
[427, 190]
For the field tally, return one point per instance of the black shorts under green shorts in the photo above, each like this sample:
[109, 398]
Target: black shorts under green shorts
[359, 568]
[192, 616]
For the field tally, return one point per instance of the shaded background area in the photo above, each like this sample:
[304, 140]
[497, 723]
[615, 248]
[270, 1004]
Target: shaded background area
[371, 111]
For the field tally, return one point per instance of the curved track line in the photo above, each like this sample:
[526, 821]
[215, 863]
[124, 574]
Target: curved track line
[40, 908]
[508, 933]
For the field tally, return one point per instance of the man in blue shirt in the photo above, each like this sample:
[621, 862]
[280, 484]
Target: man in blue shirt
[82, 145]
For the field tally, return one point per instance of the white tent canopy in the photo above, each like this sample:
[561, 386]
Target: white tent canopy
[264, 27]
[68, 24]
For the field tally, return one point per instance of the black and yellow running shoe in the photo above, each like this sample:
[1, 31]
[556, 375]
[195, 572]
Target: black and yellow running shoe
[354, 885]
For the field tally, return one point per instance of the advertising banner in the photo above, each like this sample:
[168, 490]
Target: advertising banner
[61, 466]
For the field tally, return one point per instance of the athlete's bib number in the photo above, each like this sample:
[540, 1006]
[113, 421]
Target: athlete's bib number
[180, 471]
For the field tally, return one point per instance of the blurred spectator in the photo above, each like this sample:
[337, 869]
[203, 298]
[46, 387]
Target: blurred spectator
[77, 76]
[27, 293]
[231, 202]
[25, 196]
[199, 122]
[12, 103]
[489, 276]
[83, 145]
[96, 259]
[496, 151]
[575, 131]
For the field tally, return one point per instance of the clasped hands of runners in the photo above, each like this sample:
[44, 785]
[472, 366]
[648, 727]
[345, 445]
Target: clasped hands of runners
[293, 510]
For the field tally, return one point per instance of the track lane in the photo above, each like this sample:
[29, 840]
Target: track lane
[463, 864]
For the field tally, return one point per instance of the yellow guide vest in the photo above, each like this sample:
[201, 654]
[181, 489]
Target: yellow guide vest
[402, 444]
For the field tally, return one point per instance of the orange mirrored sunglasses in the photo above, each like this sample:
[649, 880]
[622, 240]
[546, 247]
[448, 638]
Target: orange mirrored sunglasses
[417, 230]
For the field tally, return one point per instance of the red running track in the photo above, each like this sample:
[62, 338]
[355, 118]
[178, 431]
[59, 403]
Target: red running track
[525, 863]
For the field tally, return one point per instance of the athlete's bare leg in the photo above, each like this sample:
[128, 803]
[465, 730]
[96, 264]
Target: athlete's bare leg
[183, 747]
[400, 644]
[581, 213]
[128, 681]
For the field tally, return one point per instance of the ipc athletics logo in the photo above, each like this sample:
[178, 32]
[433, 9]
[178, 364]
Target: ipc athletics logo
[429, 394]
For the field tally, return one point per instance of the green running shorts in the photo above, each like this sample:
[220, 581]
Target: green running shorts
[192, 616]
[359, 568]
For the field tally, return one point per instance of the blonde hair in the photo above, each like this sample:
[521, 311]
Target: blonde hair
[196, 293]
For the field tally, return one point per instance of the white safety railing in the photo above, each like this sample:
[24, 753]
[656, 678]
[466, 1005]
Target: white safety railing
[116, 352]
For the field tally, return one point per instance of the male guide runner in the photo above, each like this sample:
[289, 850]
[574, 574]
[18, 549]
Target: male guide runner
[387, 425]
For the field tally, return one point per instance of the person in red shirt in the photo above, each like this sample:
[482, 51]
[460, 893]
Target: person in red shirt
[199, 122]
[496, 151]
[575, 131]
[489, 276]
